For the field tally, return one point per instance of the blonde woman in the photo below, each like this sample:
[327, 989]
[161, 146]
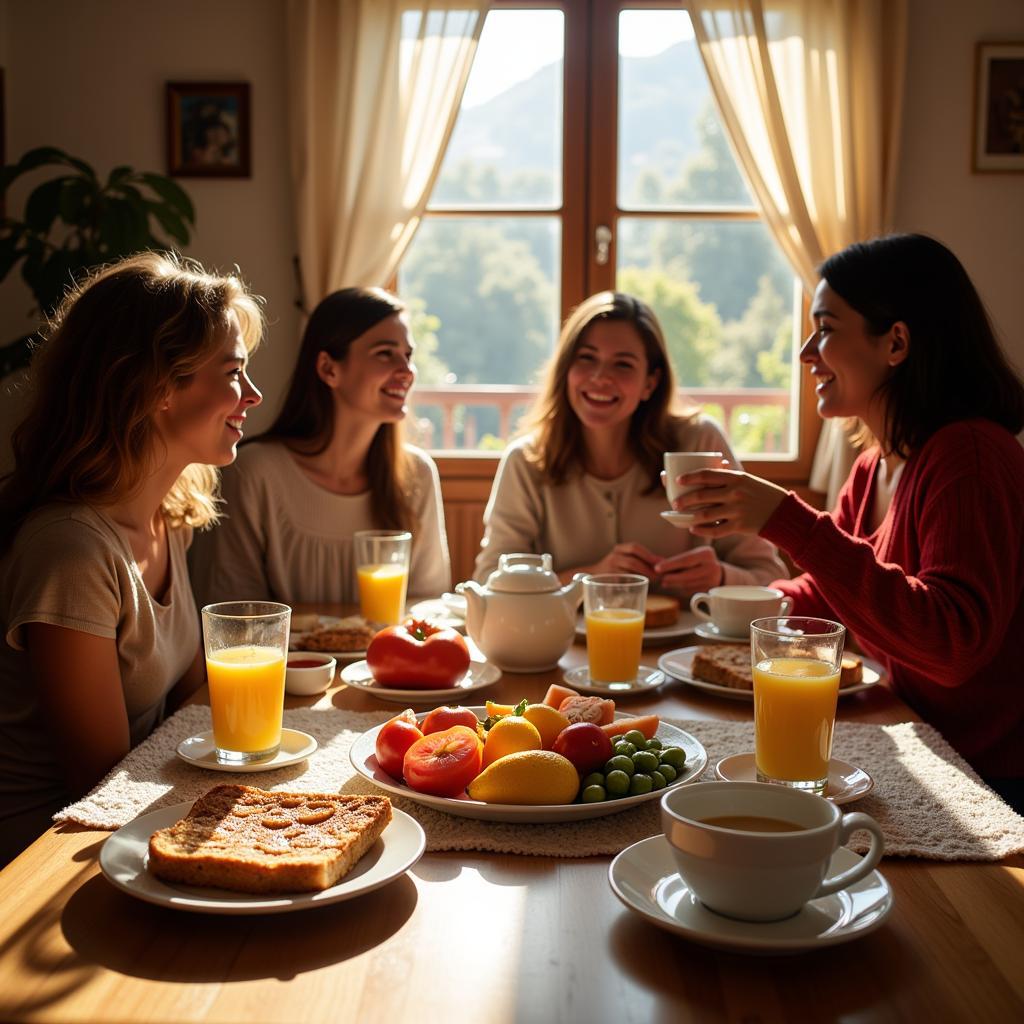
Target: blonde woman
[584, 483]
[138, 392]
[332, 463]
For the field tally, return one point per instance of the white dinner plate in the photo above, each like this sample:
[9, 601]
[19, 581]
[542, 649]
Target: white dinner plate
[124, 857]
[645, 877]
[328, 621]
[481, 674]
[679, 665]
[438, 612]
[364, 760]
[295, 746]
[846, 782]
[685, 625]
[647, 678]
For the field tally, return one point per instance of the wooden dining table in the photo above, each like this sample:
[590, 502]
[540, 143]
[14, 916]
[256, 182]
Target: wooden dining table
[484, 937]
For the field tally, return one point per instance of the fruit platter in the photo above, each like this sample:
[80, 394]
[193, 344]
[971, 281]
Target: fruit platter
[567, 758]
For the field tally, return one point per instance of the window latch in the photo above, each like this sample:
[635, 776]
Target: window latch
[602, 244]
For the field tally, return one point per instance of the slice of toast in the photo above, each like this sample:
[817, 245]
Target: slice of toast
[353, 633]
[725, 665]
[661, 610]
[852, 671]
[250, 840]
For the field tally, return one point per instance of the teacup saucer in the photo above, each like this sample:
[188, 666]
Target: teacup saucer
[644, 876]
[647, 678]
[709, 631]
[295, 746]
[846, 782]
[680, 519]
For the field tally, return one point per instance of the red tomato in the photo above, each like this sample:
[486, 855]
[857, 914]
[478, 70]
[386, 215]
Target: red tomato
[444, 718]
[444, 763]
[394, 739]
[417, 656]
[585, 745]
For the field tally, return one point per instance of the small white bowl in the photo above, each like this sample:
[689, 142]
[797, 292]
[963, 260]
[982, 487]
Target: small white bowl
[309, 679]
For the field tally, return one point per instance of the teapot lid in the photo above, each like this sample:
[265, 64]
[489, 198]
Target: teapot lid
[522, 573]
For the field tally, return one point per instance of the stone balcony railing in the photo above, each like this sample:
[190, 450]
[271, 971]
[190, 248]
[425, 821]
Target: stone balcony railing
[459, 405]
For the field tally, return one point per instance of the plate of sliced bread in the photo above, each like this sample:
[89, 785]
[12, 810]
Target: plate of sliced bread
[345, 639]
[664, 620]
[242, 850]
[724, 669]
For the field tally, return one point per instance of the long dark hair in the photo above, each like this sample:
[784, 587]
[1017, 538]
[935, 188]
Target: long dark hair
[954, 369]
[557, 447]
[306, 420]
[120, 339]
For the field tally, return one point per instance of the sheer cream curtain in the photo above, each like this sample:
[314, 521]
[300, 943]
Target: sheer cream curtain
[810, 92]
[374, 90]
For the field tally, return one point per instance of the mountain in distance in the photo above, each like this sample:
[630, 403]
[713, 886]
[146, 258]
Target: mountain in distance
[517, 131]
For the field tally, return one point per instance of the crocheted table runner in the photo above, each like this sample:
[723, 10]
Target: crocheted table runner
[929, 802]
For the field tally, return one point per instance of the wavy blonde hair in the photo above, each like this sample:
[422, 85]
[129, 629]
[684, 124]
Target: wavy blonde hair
[557, 445]
[120, 340]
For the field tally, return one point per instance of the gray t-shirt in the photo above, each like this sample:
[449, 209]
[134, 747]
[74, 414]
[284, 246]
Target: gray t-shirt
[70, 566]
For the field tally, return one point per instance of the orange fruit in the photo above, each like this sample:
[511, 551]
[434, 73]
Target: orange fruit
[549, 722]
[510, 735]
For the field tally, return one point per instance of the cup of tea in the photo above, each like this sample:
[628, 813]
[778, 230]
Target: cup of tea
[382, 573]
[796, 663]
[758, 852]
[678, 463]
[731, 609]
[246, 643]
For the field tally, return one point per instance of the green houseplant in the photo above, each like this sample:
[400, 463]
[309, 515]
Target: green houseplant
[76, 221]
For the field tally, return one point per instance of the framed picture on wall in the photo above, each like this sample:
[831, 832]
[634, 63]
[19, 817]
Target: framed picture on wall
[208, 130]
[999, 107]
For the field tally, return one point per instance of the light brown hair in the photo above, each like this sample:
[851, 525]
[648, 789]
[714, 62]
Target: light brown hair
[557, 446]
[119, 340]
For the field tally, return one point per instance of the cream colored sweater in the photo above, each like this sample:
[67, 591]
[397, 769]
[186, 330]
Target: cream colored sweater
[582, 519]
[284, 538]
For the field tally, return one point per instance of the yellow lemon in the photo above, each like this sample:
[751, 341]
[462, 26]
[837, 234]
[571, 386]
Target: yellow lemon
[527, 777]
[509, 735]
[549, 722]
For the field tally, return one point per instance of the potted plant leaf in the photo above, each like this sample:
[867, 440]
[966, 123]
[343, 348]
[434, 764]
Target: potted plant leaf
[76, 221]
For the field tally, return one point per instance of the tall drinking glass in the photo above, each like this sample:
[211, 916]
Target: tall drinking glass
[246, 644]
[614, 605]
[382, 573]
[796, 662]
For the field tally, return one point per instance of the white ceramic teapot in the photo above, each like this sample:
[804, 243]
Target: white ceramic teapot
[522, 619]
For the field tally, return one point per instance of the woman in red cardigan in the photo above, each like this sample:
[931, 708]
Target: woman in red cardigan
[923, 556]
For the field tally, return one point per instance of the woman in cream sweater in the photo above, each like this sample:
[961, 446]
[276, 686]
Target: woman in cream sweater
[585, 485]
[332, 463]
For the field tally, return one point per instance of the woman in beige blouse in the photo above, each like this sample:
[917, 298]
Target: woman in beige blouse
[585, 485]
[332, 463]
[139, 391]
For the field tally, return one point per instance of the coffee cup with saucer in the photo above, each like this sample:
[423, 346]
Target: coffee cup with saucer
[727, 611]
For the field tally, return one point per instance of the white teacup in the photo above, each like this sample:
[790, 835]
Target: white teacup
[678, 463]
[760, 875]
[731, 609]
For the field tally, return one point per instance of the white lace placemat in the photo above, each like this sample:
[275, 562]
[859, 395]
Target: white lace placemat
[926, 798]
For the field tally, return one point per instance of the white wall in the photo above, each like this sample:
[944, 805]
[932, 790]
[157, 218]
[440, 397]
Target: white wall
[979, 216]
[89, 78]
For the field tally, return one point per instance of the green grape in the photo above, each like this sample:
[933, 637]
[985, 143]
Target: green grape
[645, 761]
[636, 737]
[619, 763]
[654, 744]
[669, 774]
[640, 784]
[593, 779]
[674, 756]
[658, 780]
[624, 748]
[616, 783]
[594, 795]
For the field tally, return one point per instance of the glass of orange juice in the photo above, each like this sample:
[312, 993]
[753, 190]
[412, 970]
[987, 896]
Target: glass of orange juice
[613, 606]
[796, 662]
[246, 644]
[382, 573]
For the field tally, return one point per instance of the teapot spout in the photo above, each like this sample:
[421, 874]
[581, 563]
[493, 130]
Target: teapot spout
[572, 593]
